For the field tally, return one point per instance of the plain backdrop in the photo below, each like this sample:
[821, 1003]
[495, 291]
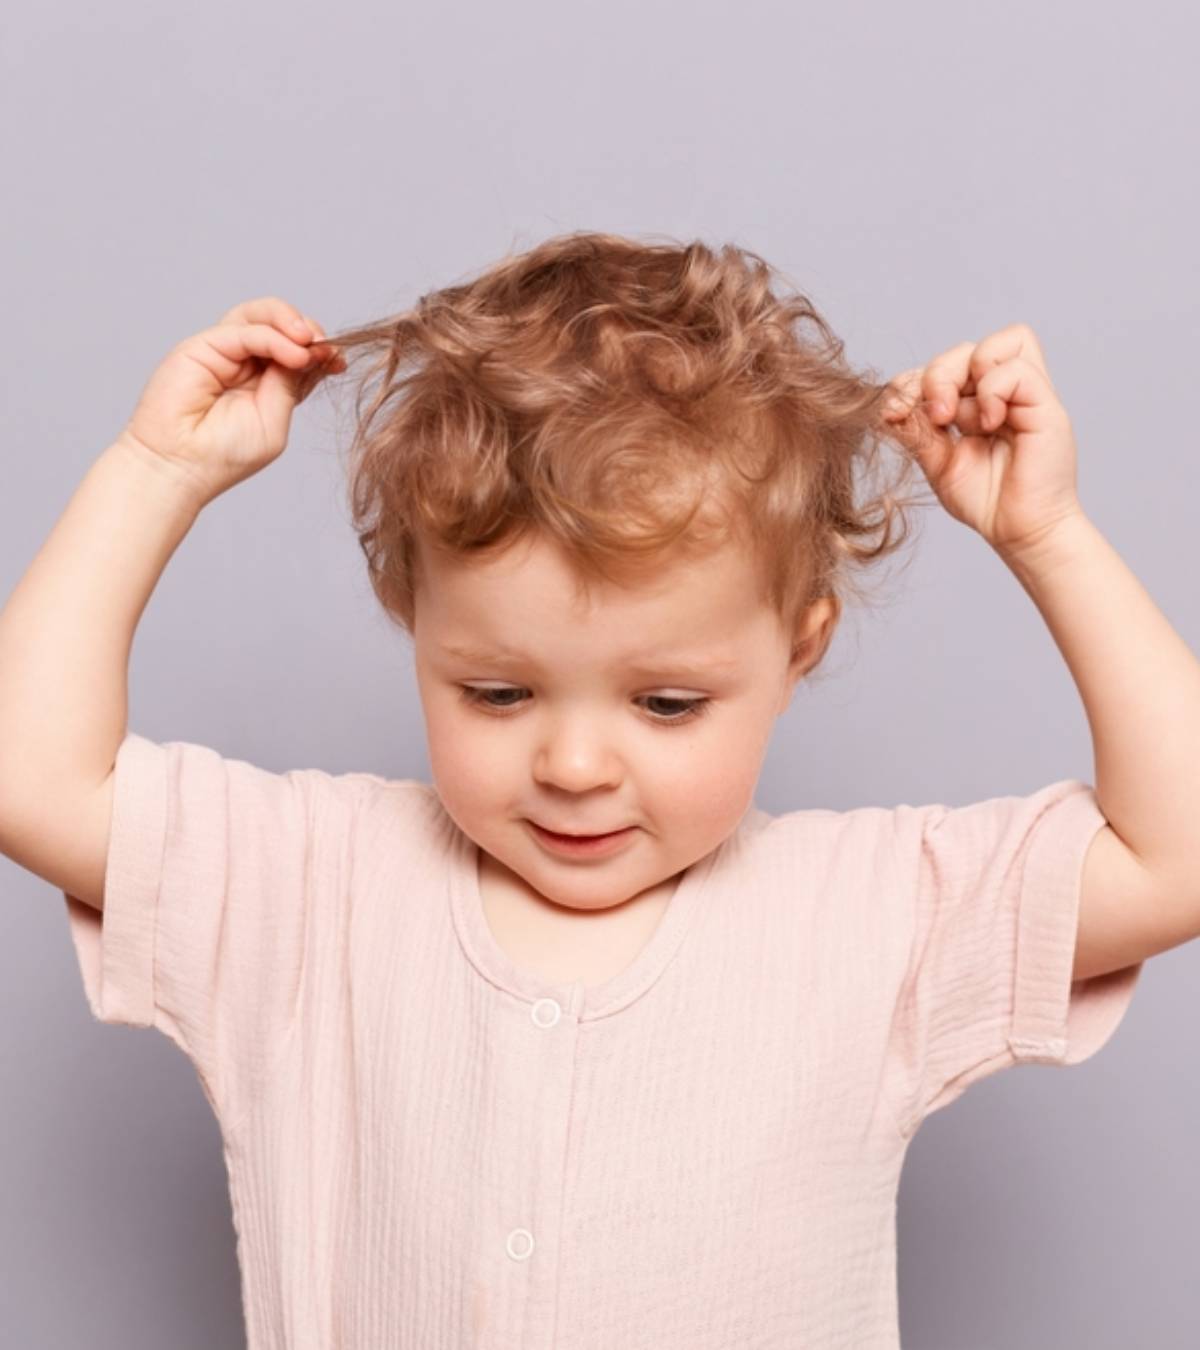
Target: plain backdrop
[926, 173]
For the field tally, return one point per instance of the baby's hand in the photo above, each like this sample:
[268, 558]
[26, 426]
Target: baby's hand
[1011, 474]
[219, 406]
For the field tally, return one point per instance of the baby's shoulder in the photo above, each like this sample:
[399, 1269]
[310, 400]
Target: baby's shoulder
[819, 823]
[816, 840]
[376, 807]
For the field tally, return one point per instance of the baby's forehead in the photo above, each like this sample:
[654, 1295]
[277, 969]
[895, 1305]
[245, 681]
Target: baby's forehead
[592, 580]
[620, 641]
[648, 609]
[533, 599]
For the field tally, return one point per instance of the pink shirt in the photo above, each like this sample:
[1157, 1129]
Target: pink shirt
[429, 1147]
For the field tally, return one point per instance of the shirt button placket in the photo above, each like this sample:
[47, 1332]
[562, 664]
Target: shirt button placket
[545, 1013]
[548, 1128]
[519, 1244]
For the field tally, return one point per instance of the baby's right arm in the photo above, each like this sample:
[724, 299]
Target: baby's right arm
[211, 416]
[65, 638]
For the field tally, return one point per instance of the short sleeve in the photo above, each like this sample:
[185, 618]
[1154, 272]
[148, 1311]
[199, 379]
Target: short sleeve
[218, 873]
[993, 891]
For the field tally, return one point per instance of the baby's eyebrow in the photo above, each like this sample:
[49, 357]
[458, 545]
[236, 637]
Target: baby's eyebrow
[649, 664]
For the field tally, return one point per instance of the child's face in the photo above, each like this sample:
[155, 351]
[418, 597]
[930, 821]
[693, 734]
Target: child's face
[584, 733]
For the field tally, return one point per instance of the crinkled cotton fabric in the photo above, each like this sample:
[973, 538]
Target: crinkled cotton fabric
[431, 1148]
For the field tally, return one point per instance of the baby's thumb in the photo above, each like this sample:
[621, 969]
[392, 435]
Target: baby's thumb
[279, 390]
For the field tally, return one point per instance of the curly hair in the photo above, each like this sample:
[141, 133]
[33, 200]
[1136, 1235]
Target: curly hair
[626, 400]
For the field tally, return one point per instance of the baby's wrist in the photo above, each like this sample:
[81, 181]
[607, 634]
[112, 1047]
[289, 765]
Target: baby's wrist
[180, 490]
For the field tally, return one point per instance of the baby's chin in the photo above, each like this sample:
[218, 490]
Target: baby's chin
[584, 886]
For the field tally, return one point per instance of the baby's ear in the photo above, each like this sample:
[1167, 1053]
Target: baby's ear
[812, 638]
[814, 634]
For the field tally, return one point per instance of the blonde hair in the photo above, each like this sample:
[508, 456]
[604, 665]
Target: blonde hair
[625, 400]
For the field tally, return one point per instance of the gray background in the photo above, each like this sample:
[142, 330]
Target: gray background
[927, 173]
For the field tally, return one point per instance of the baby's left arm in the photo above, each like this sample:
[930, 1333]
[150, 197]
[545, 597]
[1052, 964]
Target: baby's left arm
[1010, 476]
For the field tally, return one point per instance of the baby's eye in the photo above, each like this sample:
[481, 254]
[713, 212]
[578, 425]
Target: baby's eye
[686, 708]
[484, 696]
[679, 709]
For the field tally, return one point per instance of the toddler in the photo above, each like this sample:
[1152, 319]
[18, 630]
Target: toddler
[576, 1048]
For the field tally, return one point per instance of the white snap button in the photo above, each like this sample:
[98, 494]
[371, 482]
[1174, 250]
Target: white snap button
[520, 1244]
[545, 1012]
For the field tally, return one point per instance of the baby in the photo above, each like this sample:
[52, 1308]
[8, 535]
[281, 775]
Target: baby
[576, 1047]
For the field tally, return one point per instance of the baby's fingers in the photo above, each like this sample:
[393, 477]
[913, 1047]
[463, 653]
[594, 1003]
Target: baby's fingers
[270, 309]
[328, 361]
[238, 342]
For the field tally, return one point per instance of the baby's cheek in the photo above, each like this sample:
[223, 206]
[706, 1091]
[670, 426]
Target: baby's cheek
[711, 791]
[462, 765]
